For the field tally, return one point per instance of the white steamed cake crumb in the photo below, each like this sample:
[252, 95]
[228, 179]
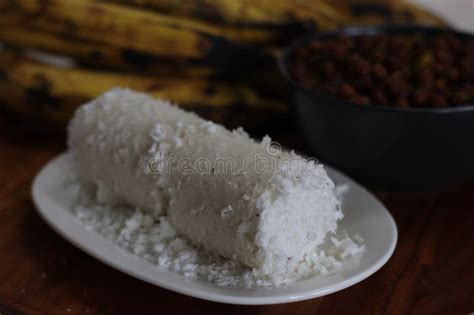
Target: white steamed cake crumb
[122, 140]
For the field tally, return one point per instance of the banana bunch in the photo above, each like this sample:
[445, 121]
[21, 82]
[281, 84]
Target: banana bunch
[216, 57]
[55, 92]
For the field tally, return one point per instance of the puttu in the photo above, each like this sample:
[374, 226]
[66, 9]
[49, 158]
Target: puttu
[243, 199]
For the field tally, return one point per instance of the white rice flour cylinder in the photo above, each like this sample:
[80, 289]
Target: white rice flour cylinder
[222, 190]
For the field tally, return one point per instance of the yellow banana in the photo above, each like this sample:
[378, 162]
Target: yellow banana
[246, 12]
[128, 27]
[369, 12]
[99, 55]
[56, 92]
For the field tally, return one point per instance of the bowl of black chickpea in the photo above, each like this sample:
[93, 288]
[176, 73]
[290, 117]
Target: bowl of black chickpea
[393, 106]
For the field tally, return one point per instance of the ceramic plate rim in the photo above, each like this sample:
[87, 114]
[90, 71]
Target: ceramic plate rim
[221, 294]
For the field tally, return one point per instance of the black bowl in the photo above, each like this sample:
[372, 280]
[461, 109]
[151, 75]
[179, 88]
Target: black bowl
[385, 147]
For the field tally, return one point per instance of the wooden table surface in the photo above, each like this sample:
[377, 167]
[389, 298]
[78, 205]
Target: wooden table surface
[431, 271]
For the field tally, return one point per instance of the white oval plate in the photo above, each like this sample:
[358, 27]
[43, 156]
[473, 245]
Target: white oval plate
[364, 215]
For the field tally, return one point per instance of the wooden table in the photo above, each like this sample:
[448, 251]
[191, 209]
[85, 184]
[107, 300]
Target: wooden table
[431, 271]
